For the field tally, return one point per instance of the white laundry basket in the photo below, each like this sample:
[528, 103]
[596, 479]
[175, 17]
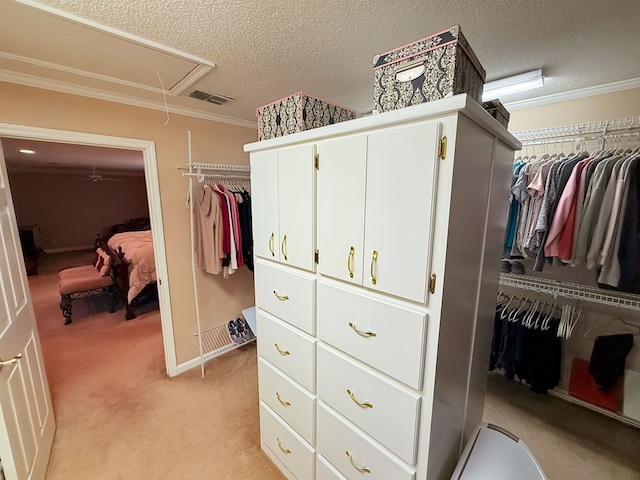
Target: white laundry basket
[493, 453]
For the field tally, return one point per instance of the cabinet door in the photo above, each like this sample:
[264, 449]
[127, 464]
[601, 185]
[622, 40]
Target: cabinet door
[341, 185]
[296, 185]
[400, 195]
[264, 190]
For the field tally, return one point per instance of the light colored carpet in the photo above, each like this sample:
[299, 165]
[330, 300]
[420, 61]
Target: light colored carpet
[120, 417]
[570, 442]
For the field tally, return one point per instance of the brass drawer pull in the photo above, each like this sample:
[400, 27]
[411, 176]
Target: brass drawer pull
[282, 402]
[286, 451]
[282, 298]
[352, 251]
[273, 237]
[360, 332]
[362, 404]
[360, 469]
[282, 352]
[284, 248]
[374, 259]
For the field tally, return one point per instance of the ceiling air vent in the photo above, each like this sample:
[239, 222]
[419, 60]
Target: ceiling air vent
[210, 97]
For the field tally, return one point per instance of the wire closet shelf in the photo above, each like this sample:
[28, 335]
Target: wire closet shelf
[571, 290]
[216, 340]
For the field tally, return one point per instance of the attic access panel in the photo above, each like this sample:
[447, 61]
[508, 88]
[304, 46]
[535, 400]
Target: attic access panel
[73, 46]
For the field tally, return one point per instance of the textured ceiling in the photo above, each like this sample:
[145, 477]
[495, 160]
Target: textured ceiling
[265, 49]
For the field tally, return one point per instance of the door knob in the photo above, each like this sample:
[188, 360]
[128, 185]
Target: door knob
[11, 361]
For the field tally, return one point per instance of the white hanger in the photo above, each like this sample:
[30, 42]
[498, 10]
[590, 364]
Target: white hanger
[612, 320]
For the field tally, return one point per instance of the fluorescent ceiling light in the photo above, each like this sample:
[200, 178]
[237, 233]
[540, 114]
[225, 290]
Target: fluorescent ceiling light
[27, 151]
[509, 85]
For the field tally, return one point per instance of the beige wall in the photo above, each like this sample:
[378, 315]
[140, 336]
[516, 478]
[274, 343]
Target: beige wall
[69, 210]
[609, 106]
[211, 142]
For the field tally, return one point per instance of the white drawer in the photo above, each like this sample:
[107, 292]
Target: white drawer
[397, 333]
[289, 447]
[288, 349]
[286, 293]
[389, 413]
[294, 404]
[348, 450]
[326, 471]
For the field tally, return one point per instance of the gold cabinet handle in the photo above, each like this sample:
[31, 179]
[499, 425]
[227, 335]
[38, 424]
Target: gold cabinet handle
[362, 404]
[357, 467]
[11, 361]
[374, 259]
[282, 352]
[286, 451]
[273, 237]
[284, 248]
[352, 252]
[282, 402]
[361, 332]
[282, 298]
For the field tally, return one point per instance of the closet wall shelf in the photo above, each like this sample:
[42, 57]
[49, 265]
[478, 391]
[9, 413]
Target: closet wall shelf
[216, 340]
[616, 416]
[579, 129]
[571, 290]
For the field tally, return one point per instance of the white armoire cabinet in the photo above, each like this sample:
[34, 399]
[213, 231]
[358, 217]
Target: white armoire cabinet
[374, 331]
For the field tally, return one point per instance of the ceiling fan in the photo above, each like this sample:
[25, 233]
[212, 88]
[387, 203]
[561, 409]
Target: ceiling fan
[96, 177]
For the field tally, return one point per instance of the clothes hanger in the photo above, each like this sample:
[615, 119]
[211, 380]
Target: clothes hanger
[612, 320]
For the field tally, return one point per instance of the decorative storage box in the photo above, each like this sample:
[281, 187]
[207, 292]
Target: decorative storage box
[497, 111]
[296, 113]
[429, 69]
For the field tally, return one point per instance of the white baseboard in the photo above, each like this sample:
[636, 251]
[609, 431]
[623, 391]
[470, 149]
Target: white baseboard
[69, 249]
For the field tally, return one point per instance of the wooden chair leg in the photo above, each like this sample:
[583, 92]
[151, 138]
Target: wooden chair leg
[65, 306]
[112, 298]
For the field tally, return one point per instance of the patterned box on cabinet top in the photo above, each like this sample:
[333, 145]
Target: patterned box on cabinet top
[296, 113]
[429, 69]
[498, 111]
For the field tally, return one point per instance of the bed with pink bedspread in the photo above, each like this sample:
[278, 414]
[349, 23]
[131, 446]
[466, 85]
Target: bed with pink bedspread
[133, 264]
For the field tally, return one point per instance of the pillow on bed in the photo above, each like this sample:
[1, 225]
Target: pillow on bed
[102, 262]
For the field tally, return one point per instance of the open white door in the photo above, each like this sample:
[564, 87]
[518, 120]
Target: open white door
[27, 424]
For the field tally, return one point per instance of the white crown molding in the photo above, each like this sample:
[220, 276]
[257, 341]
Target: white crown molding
[115, 32]
[575, 94]
[64, 87]
[189, 79]
[83, 73]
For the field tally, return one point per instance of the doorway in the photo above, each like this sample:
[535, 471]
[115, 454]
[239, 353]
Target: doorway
[147, 149]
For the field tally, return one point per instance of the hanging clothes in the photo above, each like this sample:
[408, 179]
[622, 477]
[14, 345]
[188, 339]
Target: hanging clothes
[222, 229]
[579, 210]
[527, 347]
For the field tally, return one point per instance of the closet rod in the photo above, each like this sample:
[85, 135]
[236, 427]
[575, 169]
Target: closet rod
[216, 167]
[571, 290]
[216, 175]
[579, 129]
[609, 136]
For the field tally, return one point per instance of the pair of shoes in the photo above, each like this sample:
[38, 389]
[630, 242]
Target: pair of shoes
[513, 267]
[235, 331]
[239, 331]
[244, 330]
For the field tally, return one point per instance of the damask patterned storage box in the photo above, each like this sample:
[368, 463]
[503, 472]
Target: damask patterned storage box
[498, 111]
[429, 69]
[296, 113]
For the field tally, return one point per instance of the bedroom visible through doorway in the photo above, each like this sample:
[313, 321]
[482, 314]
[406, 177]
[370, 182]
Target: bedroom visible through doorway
[139, 175]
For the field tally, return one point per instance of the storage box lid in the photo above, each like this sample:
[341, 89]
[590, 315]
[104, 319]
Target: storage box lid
[450, 36]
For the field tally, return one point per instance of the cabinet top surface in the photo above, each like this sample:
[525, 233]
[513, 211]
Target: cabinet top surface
[462, 104]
